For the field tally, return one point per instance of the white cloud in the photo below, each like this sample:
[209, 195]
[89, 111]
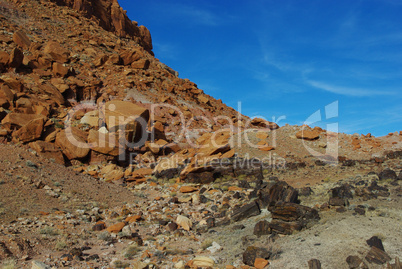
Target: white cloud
[349, 91]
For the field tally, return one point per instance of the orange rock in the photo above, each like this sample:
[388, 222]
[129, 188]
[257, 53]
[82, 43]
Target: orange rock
[57, 52]
[73, 143]
[188, 189]
[59, 70]
[141, 64]
[116, 228]
[21, 39]
[132, 219]
[17, 120]
[4, 59]
[130, 56]
[126, 114]
[230, 267]
[49, 151]
[307, 134]
[29, 132]
[260, 263]
[234, 188]
[153, 184]
[142, 172]
[228, 154]
[264, 123]
[262, 135]
[266, 148]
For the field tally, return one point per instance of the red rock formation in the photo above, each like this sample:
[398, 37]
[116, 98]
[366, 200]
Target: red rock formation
[112, 18]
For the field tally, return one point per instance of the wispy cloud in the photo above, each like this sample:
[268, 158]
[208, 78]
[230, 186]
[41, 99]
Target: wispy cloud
[349, 91]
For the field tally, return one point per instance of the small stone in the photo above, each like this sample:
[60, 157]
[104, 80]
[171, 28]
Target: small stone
[260, 263]
[203, 262]
[184, 222]
[116, 228]
[39, 265]
[314, 264]
[377, 256]
[355, 262]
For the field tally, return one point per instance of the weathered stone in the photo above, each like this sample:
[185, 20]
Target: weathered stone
[374, 241]
[336, 201]
[16, 58]
[21, 39]
[262, 228]
[99, 226]
[57, 52]
[200, 177]
[279, 192]
[141, 64]
[252, 253]
[30, 131]
[387, 174]
[355, 262]
[4, 60]
[184, 222]
[314, 264]
[127, 116]
[293, 212]
[16, 120]
[73, 143]
[246, 211]
[308, 134]
[260, 263]
[108, 144]
[264, 123]
[285, 227]
[39, 265]
[130, 56]
[116, 228]
[377, 256]
[59, 70]
[204, 262]
[187, 189]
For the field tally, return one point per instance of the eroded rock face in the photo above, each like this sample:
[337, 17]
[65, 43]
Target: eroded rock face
[112, 18]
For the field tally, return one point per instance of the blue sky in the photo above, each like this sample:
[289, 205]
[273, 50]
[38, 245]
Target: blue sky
[287, 58]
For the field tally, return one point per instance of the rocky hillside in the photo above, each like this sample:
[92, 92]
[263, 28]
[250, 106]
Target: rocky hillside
[109, 159]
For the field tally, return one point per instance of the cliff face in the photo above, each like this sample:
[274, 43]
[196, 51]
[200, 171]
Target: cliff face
[112, 18]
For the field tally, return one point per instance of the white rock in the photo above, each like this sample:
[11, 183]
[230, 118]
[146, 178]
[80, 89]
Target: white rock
[203, 262]
[184, 222]
[39, 265]
[179, 265]
[214, 248]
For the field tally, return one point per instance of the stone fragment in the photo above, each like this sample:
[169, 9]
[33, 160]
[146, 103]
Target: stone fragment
[187, 189]
[314, 264]
[184, 222]
[246, 211]
[374, 241]
[73, 143]
[260, 263]
[308, 134]
[30, 131]
[57, 52]
[354, 262]
[116, 228]
[264, 123]
[16, 58]
[252, 253]
[204, 262]
[21, 39]
[48, 150]
[377, 256]
[262, 228]
[387, 174]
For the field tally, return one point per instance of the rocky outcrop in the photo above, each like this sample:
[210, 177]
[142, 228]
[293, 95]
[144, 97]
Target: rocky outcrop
[111, 17]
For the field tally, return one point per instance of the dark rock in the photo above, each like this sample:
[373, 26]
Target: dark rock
[236, 195]
[278, 192]
[251, 253]
[203, 199]
[169, 173]
[314, 264]
[360, 210]
[210, 222]
[377, 256]
[238, 227]
[163, 222]
[341, 209]
[283, 227]
[293, 212]
[387, 174]
[375, 242]
[246, 211]
[355, 262]
[76, 252]
[349, 163]
[67, 257]
[200, 177]
[336, 201]
[16, 58]
[172, 227]
[93, 257]
[306, 191]
[343, 191]
[99, 227]
[262, 228]
[399, 176]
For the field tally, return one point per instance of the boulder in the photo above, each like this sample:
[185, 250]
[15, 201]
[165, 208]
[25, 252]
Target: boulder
[146, 41]
[48, 150]
[127, 116]
[59, 70]
[106, 143]
[73, 143]
[21, 39]
[284, 227]
[308, 134]
[130, 56]
[57, 52]
[116, 228]
[16, 120]
[387, 174]
[278, 192]
[246, 211]
[4, 60]
[264, 123]
[30, 131]
[293, 212]
[377, 256]
[141, 64]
